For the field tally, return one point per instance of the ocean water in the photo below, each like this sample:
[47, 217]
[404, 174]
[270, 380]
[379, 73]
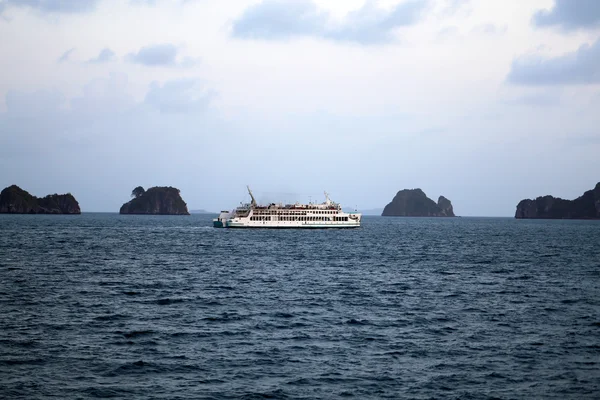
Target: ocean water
[139, 307]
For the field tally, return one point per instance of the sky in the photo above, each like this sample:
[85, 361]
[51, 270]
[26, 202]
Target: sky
[486, 102]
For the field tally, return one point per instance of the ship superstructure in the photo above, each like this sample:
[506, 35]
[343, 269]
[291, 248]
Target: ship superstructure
[252, 215]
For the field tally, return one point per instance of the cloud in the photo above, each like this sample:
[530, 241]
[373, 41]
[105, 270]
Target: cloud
[155, 55]
[544, 99]
[104, 56]
[579, 67]
[490, 29]
[570, 14]
[53, 6]
[178, 96]
[162, 55]
[143, 2]
[370, 24]
[276, 19]
[65, 56]
[103, 96]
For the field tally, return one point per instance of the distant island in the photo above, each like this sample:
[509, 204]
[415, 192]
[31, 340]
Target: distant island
[415, 203]
[14, 200]
[586, 206]
[159, 200]
[200, 211]
[370, 211]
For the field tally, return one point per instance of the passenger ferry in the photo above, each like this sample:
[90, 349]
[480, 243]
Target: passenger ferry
[252, 215]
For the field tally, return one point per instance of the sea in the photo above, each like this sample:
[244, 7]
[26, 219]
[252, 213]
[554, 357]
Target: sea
[168, 307]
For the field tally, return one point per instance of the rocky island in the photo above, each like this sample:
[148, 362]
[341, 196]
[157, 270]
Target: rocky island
[415, 203]
[586, 206]
[14, 200]
[159, 200]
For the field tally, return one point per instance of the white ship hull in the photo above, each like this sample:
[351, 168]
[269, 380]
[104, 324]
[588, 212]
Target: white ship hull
[291, 224]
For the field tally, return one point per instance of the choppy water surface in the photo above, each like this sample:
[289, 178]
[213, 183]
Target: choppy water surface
[102, 305]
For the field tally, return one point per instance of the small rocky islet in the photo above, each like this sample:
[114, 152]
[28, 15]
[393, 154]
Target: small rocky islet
[415, 203]
[14, 200]
[586, 206]
[158, 200]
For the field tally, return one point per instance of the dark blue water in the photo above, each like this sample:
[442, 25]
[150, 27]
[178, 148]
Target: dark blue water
[137, 307]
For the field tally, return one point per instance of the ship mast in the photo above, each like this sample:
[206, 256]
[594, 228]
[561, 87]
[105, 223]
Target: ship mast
[251, 196]
[327, 199]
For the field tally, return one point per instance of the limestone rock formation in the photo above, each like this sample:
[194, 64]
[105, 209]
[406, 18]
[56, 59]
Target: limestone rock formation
[415, 203]
[586, 206]
[156, 200]
[14, 200]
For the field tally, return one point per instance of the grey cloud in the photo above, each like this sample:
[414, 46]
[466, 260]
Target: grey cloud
[155, 2]
[579, 67]
[104, 56]
[103, 96]
[65, 56]
[189, 62]
[53, 6]
[276, 19]
[178, 96]
[535, 99]
[372, 25]
[583, 140]
[273, 19]
[155, 55]
[570, 14]
[490, 29]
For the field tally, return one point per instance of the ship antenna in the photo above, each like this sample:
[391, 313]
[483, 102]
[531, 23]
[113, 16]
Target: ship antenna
[251, 196]
[327, 200]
